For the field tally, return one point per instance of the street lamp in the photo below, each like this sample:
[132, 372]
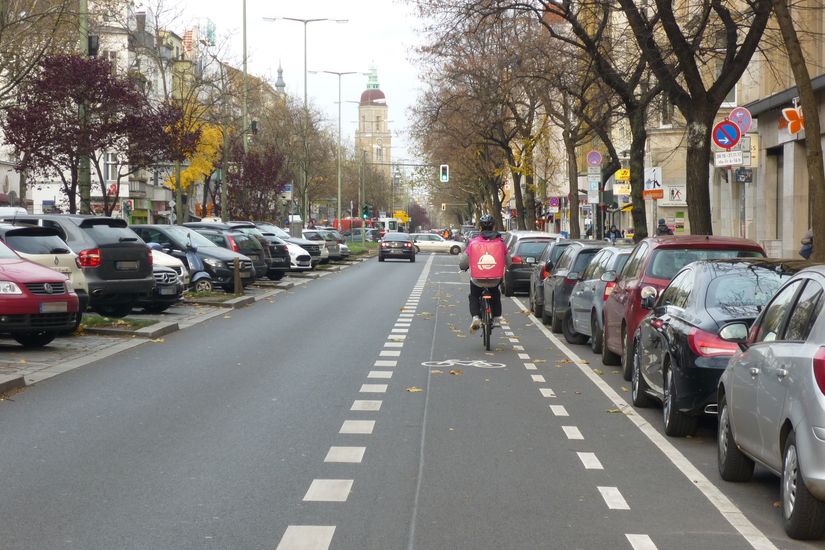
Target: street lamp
[339, 75]
[305, 22]
[225, 116]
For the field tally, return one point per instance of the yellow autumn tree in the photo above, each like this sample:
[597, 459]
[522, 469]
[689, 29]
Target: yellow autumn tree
[202, 162]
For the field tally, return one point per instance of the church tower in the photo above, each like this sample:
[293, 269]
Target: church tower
[373, 139]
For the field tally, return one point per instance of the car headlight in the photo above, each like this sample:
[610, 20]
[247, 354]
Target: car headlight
[214, 264]
[8, 287]
[69, 287]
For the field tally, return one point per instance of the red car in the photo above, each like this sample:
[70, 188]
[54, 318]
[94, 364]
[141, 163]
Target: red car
[36, 303]
[653, 263]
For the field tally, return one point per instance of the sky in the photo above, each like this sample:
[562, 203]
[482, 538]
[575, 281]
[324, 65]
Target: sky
[378, 32]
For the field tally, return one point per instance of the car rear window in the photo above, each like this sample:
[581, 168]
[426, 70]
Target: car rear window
[37, 244]
[185, 235]
[397, 237]
[106, 234]
[667, 262]
[583, 259]
[531, 248]
[751, 288]
[245, 241]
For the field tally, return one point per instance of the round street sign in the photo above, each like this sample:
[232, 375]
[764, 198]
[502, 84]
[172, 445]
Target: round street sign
[742, 118]
[594, 158]
[726, 134]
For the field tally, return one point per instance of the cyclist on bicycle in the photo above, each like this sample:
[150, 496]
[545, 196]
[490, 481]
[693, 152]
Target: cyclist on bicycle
[485, 257]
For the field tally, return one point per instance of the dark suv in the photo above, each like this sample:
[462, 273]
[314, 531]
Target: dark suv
[278, 250]
[237, 240]
[116, 262]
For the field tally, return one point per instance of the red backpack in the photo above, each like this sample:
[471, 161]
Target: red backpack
[487, 259]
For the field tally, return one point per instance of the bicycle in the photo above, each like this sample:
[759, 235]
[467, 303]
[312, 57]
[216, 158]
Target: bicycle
[486, 318]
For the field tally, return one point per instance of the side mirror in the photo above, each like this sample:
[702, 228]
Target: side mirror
[155, 246]
[648, 294]
[736, 332]
[608, 277]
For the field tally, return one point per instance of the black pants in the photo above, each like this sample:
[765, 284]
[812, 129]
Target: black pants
[475, 296]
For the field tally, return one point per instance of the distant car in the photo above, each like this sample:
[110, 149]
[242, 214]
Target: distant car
[240, 242]
[653, 262]
[299, 259]
[396, 245]
[559, 284]
[168, 290]
[771, 401]
[591, 292]
[317, 237]
[430, 242]
[37, 303]
[312, 247]
[677, 355]
[333, 243]
[279, 259]
[345, 253]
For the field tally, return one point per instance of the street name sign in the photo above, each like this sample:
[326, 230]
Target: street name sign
[727, 158]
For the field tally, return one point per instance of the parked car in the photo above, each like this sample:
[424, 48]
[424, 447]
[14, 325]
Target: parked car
[299, 259]
[312, 247]
[396, 245]
[771, 401]
[43, 245]
[521, 259]
[360, 234]
[237, 241]
[37, 303]
[326, 246]
[117, 264]
[591, 292]
[430, 242]
[653, 262]
[181, 242]
[168, 290]
[332, 242]
[511, 237]
[161, 258]
[677, 356]
[559, 284]
[279, 253]
[345, 252]
[543, 266]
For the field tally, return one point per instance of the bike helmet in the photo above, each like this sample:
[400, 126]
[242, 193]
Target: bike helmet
[487, 222]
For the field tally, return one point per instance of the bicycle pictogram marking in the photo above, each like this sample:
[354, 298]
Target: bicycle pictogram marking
[478, 363]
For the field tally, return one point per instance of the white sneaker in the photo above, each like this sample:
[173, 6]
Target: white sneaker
[476, 324]
[496, 322]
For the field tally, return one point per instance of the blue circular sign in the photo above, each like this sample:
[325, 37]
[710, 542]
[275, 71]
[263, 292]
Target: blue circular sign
[726, 134]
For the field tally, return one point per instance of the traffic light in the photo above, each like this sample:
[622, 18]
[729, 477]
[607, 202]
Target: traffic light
[365, 213]
[445, 173]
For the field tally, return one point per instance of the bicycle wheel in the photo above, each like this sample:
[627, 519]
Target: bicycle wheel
[486, 322]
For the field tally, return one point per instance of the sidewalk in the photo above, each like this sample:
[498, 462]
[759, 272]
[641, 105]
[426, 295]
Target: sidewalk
[21, 367]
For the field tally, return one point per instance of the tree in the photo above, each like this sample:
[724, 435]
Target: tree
[48, 132]
[256, 183]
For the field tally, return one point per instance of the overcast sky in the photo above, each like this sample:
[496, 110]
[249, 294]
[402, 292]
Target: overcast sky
[382, 32]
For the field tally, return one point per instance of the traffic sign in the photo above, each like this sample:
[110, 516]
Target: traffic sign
[742, 118]
[726, 134]
[727, 158]
[594, 158]
[623, 174]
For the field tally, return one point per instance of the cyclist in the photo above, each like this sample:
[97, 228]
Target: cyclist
[485, 257]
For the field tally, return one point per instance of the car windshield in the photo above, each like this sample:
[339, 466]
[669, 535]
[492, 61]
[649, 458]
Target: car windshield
[246, 242]
[185, 235]
[667, 262]
[531, 248]
[6, 253]
[313, 236]
[744, 292]
[37, 244]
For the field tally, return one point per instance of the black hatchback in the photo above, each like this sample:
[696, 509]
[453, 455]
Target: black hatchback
[677, 355]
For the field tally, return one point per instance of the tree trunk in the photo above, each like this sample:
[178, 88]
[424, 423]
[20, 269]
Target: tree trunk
[492, 184]
[696, 173]
[72, 195]
[573, 181]
[810, 110]
[608, 170]
[637, 173]
[516, 190]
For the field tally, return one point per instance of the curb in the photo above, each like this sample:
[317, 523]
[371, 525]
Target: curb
[232, 303]
[153, 331]
[8, 383]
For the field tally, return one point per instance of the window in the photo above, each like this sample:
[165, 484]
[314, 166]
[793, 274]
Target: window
[633, 268]
[618, 262]
[37, 244]
[530, 248]
[804, 315]
[596, 267]
[677, 292]
[53, 225]
[110, 167]
[566, 259]
[771, 322]
[667, 262]
[583, 260]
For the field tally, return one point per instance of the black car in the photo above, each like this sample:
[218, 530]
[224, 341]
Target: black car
[116, 262]
[312, 247]
[218, 261]
[396, 245]
[523, 249]
[242, 238]
[168, 290]
[278, 251]
[677, 354]
[543, 266]
[558, 285]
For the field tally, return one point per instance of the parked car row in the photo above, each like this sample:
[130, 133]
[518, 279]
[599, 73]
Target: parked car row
[55, 266]
[707, 325]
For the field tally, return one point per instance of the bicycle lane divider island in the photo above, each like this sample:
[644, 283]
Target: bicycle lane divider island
[626, 457]
[356, 430]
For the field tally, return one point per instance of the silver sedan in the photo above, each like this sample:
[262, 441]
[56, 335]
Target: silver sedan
[771, 401]
[430, 242]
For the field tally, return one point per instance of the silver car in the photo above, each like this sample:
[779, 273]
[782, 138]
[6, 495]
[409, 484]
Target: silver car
[771, 401]
[430, 242]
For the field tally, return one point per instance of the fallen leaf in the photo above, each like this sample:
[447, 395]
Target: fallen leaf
[616, 372]
[777, 504]
[614, 411]
[624, 389]
[158, 340]
[456, 372]
[436, 371]
[413, 389]
[600, 372]
[578, 393]
[22, 361]
[227, 316]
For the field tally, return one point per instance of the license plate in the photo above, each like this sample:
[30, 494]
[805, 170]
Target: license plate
[245, 274]
[168, 290]
[126, 266]
[66, 270]
[279, 260]
[54, 307]
[530, 260]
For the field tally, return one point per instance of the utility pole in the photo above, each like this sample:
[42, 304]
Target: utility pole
[84, 174]
[245, 85]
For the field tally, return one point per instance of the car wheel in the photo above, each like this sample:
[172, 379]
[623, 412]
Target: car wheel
[417, 250]
[204, 285]
[595, 334]
[802, 514]
[34, 339]
[608, 357]
[455, 250]
[545, 317]
[677, 424]
[638, 386]
[569, 330]
[508, 289]
[537, 309]
[412, 258]
[555, 320]
[116, 310]
[380, 258]
[733, 464]
[625, 359]
[275, 275]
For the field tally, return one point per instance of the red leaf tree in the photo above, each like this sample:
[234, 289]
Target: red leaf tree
[255, 183]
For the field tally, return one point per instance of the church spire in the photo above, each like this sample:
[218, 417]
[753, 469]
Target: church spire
[280, 85]
[372, 83]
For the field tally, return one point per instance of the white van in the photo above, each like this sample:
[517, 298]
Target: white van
[11, 211]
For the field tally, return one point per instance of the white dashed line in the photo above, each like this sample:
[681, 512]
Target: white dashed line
[613, 498]
[387, 374]
[406, 315]
[590, 461]
[307, 537]
[559, 410]
[547, 392]
[385, 363]
[400, 330]
[641, 542]
[538, 378]
[366, 405]
[374, 388]
[362, 427]
[389, 353]
[397, 337]
[515, 340]
[510, 334]
[518, 348]
[328, 490]
[530, 366]
[524, 356]
[348, 455]
[572, 432]
[393, 344]
[401, 325]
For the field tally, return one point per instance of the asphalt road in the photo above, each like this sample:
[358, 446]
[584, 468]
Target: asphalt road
[312, 422]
